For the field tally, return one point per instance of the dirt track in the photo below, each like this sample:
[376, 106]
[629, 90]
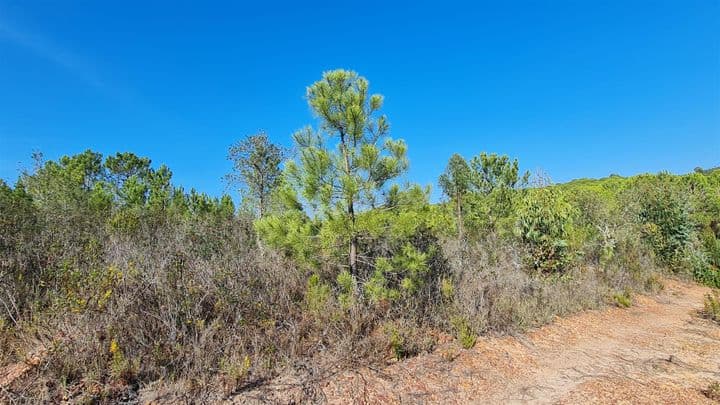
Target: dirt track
[658, 351]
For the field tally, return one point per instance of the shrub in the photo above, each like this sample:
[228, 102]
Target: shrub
[133, 281]
[406, 340]
[713, 391]
[544, 222]
[664, 213]
[702, 270]
[317, 295]
[712, 306]
[463, 332]
[347, 286]
[623, 299]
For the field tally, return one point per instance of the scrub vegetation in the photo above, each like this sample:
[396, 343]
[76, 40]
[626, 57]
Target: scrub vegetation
[128, 280]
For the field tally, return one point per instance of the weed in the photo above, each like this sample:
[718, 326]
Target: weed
[623, 299]
[713, 391]
[463, 332]
[712, 306]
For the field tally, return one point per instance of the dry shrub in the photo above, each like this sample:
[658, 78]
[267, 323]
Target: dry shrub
[190, 300]
[407, 339]
[495, 292]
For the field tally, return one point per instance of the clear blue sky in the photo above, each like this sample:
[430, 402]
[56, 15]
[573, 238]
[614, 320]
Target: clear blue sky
[575, 88]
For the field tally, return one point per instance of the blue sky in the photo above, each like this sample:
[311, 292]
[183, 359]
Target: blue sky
[574, 88]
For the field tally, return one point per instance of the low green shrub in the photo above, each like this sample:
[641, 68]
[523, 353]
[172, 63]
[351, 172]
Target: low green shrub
[463, 332]
[623, 299]
[711, 308]
[407, 340]
[713, 391]
[317, 295]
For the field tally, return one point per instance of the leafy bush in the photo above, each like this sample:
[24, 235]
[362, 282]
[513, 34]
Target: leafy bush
[665, 216]
[544, 221]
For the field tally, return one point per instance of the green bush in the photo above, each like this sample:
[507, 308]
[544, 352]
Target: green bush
[544, 223]
[317, 295]
[406, 340]
[623, 299]
[664, 213]
[463, 332]
[712, 306]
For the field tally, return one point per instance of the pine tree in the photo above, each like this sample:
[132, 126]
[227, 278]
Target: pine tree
[344, 164]
[256, 166]
[456, 182]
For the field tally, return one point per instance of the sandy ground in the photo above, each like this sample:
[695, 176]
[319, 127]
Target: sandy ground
[658, 351]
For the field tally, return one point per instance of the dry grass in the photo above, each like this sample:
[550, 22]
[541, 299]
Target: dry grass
[494, 290]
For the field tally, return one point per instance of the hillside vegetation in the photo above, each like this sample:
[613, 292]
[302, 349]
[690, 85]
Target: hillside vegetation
[129, 280]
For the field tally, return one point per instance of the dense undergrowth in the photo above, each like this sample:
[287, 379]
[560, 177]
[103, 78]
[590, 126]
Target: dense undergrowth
[130, 280]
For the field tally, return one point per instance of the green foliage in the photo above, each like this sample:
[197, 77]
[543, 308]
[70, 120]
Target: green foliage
[404, 273]
[544, 222]
[456, 183]
[18, 221]
[346, 285]
[294, 233]
[343, 166]
[256, 166]
[121, 368]
[494, 172]
[457, 179]
[703, 270]
[712, 305]
[337, 194]
[447, 289]
[463, 332]
[406, 340]
[483, 191]
[403, 239]
[317, 295]
[665, 215]
[623, 299]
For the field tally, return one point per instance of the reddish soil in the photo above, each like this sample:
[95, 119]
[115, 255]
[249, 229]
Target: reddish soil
[658, 351]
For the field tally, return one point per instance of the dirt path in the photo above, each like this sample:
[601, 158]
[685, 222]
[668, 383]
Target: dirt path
[658, 351]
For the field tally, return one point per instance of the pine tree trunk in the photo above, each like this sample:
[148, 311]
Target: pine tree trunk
[353, 241]
[458, 210]
[351, 209]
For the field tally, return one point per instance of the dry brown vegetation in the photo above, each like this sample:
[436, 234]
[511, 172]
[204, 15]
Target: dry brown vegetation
[113, 281]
